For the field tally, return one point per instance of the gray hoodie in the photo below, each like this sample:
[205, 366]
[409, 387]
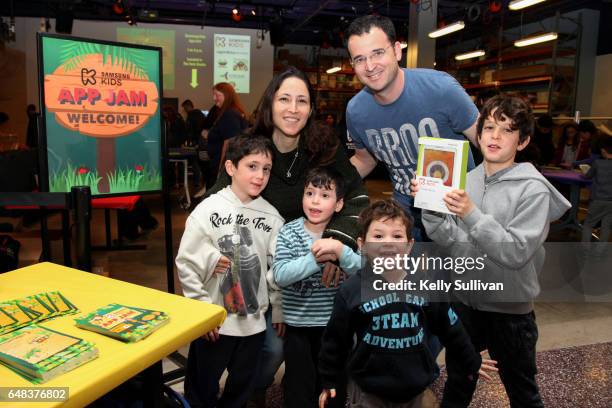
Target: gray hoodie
[513, 209]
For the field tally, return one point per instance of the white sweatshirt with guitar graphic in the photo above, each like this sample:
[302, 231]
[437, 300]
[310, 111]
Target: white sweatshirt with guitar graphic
[246, 234]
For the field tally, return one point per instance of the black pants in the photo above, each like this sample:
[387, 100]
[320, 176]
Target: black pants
[207, 361]
[302, 384]
[511, 341]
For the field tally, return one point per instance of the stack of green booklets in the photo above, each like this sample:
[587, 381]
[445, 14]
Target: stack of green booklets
[15, 314]
[125, 323]
[40, 354]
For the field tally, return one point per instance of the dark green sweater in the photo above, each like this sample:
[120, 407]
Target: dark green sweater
[285, 193]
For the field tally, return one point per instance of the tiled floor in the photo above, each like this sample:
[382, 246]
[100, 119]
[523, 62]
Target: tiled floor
[561, 325]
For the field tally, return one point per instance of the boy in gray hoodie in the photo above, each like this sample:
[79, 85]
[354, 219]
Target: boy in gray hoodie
[503, 216]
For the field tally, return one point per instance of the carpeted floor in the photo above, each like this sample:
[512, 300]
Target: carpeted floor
[570, 377]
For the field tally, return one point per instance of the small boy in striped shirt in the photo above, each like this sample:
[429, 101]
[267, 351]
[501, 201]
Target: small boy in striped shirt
[307, 303]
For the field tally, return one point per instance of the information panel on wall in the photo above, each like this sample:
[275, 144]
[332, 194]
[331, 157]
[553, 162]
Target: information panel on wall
[101, 120]
[232, 60]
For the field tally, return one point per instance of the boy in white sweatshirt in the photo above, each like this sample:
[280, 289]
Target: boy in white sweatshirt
[228, 243]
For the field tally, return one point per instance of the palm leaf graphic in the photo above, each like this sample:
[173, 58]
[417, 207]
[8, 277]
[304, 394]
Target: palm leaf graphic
[130, 59]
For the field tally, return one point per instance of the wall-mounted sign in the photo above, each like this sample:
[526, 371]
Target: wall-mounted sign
[101, 116]
[232, 61]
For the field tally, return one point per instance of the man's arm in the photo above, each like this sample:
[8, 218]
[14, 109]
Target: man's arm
[363, 161]
[470, 133]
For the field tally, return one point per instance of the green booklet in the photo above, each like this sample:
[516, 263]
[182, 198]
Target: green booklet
[125, 323]
[40, 354]
[18, 313]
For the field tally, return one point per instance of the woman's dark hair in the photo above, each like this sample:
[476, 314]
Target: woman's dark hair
[320, 143]
[563, 138]
[384, 210]
[517, 110]
[169, 113]
[364, 24]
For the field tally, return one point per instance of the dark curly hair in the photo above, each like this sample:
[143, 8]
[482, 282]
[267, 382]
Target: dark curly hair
[328, 178]
[384, 210]
[516, 109]
[318, 140]
[243, 145]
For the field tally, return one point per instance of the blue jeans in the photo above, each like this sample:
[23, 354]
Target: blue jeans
[272, 356]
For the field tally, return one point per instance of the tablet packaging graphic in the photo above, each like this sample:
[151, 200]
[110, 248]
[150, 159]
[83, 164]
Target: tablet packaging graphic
[441, 167]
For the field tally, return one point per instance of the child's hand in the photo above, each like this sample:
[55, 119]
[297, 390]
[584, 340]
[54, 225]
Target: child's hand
[223, 265]
[459, 203]
[325, 394]
[331, 273]
[323, 248]
[212, 335]
[487, 365]
[414, 187]
[279, 328]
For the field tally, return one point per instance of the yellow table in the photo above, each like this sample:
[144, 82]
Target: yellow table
[117, 361]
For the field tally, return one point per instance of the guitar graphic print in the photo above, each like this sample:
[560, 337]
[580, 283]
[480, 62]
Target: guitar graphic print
[233, 295]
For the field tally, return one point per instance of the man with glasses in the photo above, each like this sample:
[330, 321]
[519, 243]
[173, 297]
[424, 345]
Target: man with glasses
[397, 106]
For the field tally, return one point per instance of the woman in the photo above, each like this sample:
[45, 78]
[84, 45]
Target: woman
[229, 122]
[176, 132]
[567, 148]
[590, 145]
[285, 114]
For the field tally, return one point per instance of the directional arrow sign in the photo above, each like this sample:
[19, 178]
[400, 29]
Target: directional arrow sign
[194, 78]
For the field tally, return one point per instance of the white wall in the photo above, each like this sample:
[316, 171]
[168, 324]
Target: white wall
[602, 91]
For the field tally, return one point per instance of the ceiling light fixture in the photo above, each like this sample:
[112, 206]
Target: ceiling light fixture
[236, 15]
[521, 4]
[333, 70]
[451, 28]
[535, 39]
[468, 55]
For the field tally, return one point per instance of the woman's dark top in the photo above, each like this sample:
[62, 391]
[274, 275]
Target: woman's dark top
[230, 124]
[285, 193]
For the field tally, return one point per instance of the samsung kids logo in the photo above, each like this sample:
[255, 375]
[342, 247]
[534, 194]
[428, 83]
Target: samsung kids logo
[88, 76]
[220, 42]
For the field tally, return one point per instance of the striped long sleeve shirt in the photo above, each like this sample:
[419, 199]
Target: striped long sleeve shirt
[306, 301]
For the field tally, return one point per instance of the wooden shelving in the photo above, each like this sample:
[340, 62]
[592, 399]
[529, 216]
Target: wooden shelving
[343, 90]
[498, 84]
[527, 54]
